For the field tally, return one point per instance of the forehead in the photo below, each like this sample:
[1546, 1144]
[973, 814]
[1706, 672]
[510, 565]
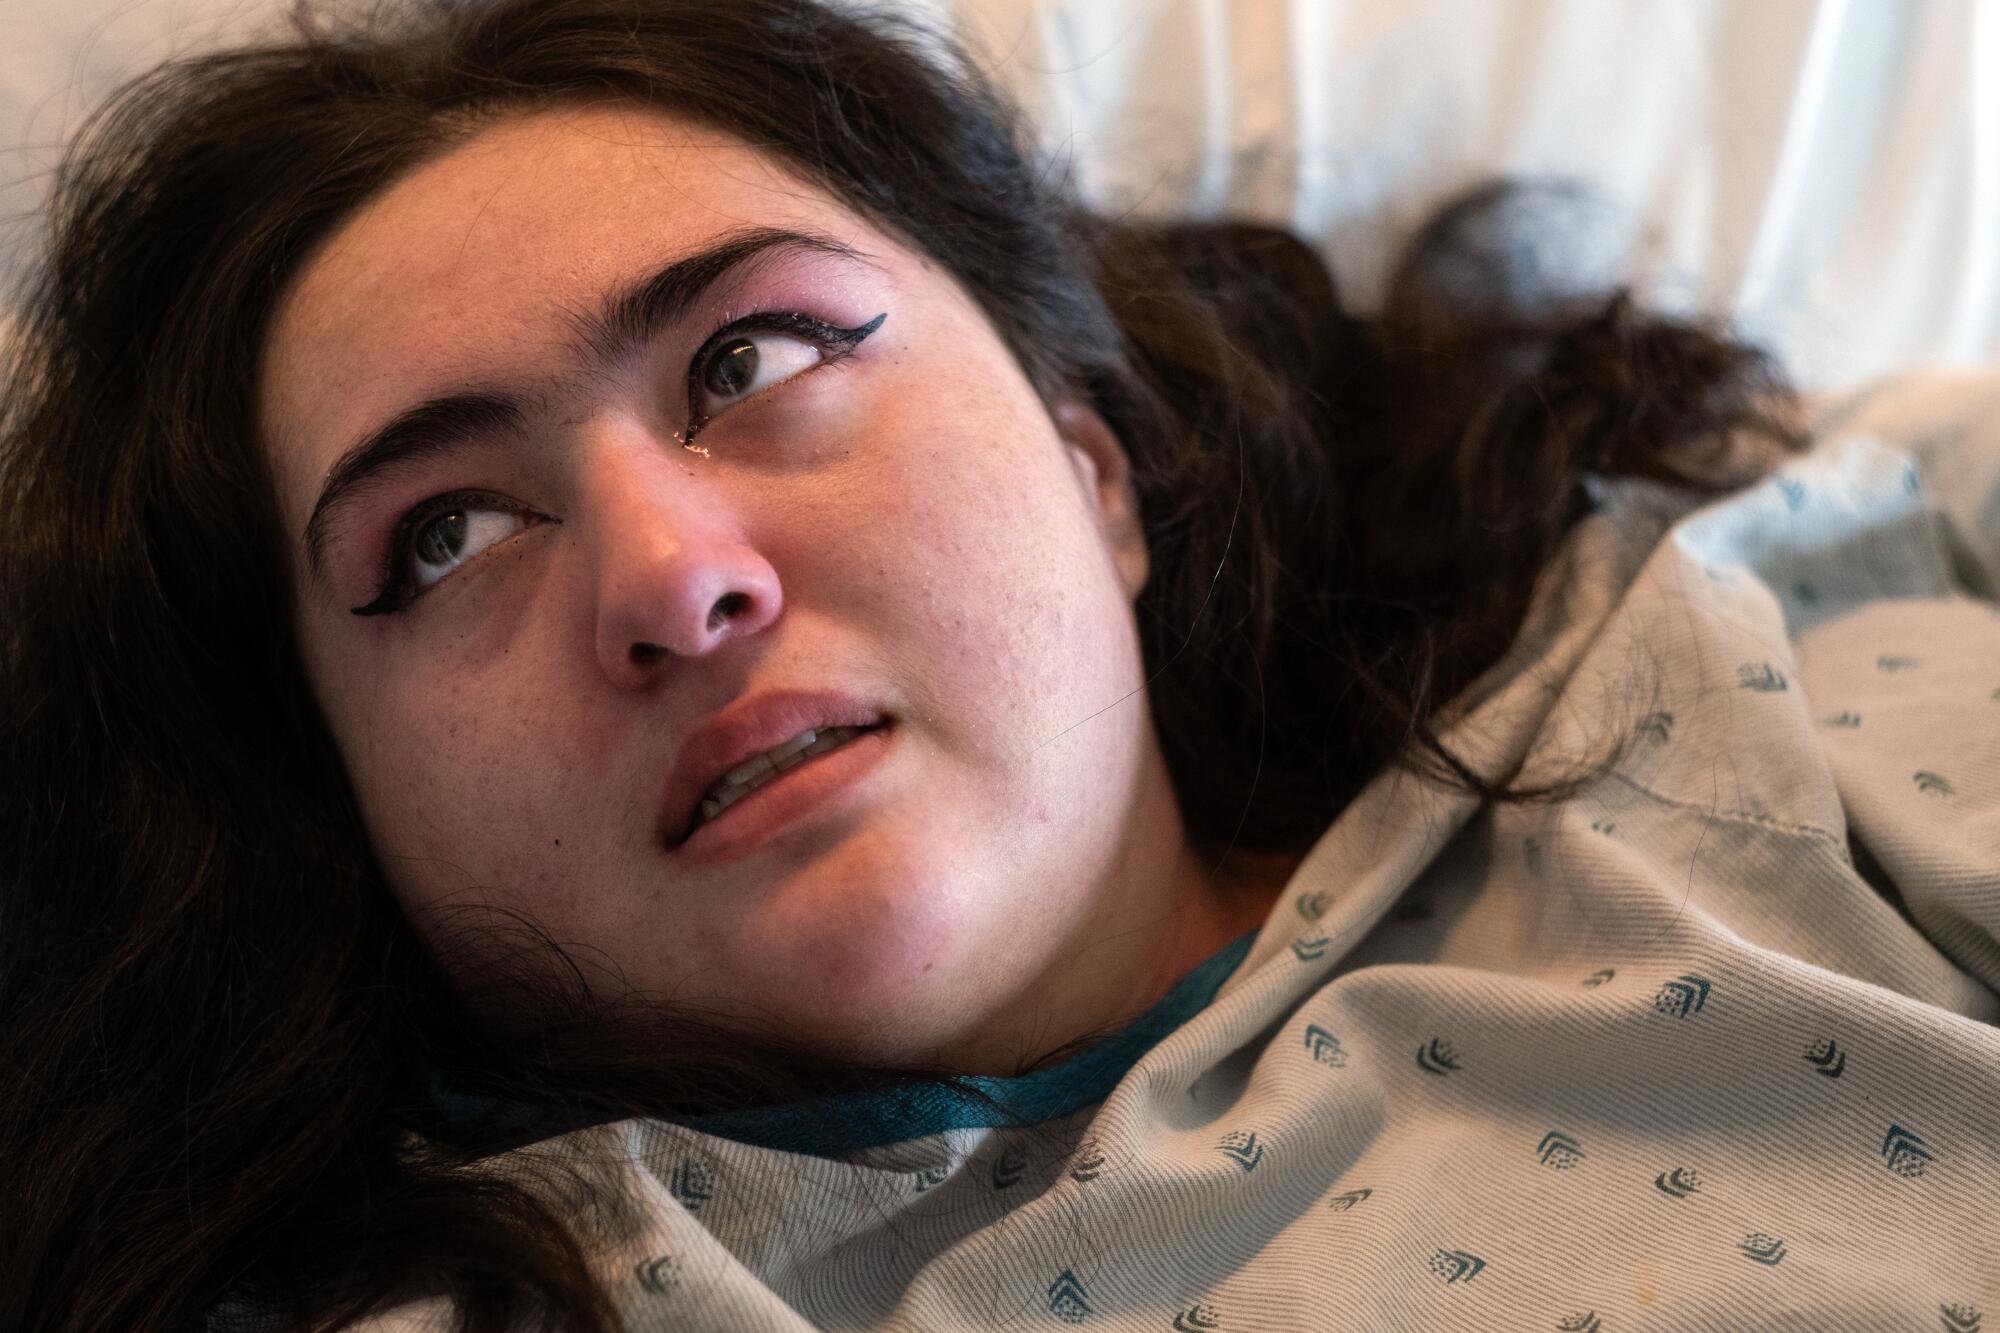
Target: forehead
[477, 262]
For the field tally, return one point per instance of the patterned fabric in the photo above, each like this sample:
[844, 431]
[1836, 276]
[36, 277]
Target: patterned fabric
[1709, 1046]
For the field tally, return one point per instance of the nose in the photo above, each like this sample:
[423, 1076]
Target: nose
[675, 573]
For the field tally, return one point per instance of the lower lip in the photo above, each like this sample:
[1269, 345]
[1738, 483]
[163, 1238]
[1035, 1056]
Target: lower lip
[813, 788]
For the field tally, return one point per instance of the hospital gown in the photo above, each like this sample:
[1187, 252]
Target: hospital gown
[1709, 1045]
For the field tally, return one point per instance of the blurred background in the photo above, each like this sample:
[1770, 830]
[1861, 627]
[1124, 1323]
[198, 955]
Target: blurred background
[1825, 172]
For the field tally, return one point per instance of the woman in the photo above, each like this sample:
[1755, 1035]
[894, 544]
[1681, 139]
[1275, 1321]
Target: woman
[656, 689]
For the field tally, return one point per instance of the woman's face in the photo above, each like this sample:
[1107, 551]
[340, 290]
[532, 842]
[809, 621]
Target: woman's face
[852, 491]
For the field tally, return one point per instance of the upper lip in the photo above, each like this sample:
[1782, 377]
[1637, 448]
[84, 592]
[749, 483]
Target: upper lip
[744, 729]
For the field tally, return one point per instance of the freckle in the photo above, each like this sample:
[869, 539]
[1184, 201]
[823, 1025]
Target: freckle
[929, 966]
[558, 842]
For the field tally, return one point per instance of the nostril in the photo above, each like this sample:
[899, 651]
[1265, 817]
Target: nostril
[726, 606]
[645, 654]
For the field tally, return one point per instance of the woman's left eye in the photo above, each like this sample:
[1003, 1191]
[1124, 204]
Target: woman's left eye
[750, 362]
[760, 352]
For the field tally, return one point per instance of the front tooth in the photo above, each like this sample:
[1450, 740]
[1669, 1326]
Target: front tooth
[741, 781]
[768, 762]
[792, 746]
[753, 767]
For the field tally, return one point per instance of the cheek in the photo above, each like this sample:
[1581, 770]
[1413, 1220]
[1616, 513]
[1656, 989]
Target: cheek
[450, 805]
[992, 564]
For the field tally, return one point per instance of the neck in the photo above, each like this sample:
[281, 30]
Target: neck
[1170, 911]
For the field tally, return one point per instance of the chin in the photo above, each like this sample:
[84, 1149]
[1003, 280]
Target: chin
[872, 968]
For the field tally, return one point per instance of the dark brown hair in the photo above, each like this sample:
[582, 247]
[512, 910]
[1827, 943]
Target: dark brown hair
[220, 1029]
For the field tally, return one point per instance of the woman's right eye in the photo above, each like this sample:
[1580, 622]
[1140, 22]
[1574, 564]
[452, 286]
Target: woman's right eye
[447, 541]
[436, 538]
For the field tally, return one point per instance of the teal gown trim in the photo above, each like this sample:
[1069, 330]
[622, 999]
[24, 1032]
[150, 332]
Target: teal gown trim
[832, 1126]
[850, 1122]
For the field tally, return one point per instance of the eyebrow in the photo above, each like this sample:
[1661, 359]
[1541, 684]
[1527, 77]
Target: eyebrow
[632, 317]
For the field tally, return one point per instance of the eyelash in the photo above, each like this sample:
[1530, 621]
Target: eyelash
[394, 591]
[833, 342]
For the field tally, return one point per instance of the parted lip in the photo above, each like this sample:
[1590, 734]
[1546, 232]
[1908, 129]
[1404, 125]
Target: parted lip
[749, 727]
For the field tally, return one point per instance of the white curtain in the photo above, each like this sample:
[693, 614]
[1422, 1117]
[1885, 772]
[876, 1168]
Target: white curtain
[1827, 171]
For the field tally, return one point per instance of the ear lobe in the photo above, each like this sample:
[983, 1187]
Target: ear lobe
[1105, 475]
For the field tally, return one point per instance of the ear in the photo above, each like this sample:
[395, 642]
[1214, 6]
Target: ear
[1105, 475]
